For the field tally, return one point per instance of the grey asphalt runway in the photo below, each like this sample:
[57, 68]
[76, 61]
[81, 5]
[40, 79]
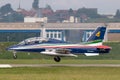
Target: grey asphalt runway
[58, 65]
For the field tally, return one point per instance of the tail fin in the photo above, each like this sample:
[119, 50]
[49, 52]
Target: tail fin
[98, 34]
[97, 37]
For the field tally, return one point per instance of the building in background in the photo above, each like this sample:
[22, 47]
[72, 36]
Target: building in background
[35, 19]
[71, 32]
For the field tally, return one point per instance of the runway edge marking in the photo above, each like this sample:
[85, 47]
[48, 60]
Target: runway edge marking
[67, 65]
[5, 66]
[58, 65]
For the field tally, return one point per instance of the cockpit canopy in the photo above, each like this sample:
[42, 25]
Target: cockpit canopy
[39, 40]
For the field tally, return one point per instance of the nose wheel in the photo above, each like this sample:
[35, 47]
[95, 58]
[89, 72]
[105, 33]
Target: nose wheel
[14, 55]
[57, 59]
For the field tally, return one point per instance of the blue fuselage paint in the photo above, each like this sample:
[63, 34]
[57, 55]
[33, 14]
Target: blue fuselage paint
[72, 50]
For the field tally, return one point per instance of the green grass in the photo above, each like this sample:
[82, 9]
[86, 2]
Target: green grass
[61, 73]
[64, 61]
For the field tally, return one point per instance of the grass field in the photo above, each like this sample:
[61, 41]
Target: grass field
[64, 61]
[61, 73]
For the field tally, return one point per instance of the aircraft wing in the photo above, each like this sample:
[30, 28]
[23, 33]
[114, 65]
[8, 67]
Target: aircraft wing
[58, 52]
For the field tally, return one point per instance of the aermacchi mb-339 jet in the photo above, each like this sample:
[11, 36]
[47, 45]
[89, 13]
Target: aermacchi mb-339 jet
[57, 48]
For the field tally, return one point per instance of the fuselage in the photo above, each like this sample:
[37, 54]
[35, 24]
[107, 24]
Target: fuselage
[73, 48]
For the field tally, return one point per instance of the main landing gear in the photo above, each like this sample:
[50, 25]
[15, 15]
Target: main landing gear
[57, 59]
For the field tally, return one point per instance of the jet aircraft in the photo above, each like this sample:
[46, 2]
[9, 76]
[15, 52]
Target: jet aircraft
[57, 48]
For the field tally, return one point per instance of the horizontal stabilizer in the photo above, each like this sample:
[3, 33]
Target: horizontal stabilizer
[92, 54]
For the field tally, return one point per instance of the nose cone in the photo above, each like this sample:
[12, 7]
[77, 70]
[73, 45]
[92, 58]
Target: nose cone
[11, 48]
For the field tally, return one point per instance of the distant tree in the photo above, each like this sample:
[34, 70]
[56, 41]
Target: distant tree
[8, 17]
[71, 12]
[6, 9]
[48, 7]
[13, 17]
[78, 13]
[92, 13]
[7, 14]
[117, 15]
[35, 4]
[18, 17]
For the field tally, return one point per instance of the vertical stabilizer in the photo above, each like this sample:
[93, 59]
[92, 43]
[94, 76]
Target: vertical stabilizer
[98, 34]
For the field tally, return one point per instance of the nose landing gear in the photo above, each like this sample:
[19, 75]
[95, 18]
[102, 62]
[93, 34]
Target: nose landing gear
[14, 55]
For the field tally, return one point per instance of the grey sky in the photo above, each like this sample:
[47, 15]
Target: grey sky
[104, 6]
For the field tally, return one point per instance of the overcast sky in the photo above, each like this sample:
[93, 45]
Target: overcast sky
[104, 6]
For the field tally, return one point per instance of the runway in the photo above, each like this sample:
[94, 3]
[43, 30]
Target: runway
[58, 65]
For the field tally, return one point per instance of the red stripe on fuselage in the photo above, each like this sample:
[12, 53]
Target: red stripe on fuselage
[104, 47]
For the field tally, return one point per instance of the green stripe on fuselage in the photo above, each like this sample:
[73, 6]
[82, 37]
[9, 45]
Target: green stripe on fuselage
[93, 42]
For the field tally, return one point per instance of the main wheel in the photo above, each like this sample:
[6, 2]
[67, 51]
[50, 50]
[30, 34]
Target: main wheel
[57, 59]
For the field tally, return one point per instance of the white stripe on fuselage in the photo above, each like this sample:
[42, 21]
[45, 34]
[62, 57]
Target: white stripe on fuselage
[56, 46]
